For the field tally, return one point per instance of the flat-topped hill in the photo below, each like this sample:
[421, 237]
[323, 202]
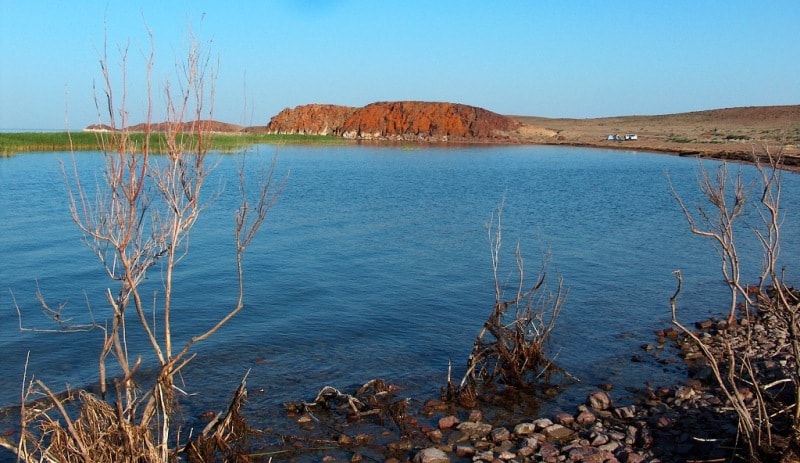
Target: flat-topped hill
[398, 120]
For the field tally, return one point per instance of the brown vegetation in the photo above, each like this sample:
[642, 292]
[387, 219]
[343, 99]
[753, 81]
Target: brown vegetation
[511, 348]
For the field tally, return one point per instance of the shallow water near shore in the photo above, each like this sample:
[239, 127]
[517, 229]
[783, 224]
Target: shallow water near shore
[375, 263]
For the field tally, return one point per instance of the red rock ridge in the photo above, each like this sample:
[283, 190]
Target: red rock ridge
[401, 120]
[414, 120]
[311, 119]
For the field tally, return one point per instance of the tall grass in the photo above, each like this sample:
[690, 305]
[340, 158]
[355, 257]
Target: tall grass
[17, 142]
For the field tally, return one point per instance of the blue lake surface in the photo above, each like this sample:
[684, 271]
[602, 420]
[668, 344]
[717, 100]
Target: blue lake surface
[375, 263]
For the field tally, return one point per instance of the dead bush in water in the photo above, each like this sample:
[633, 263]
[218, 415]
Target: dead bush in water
[511, 348]
[768, 412]
[375, 398]
[140, 218]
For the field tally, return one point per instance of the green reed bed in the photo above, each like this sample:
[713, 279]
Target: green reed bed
[17, 142]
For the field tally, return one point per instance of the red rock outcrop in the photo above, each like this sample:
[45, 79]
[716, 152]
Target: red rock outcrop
[401, 120]
[311, 119]
[414, 120]
[398, 120]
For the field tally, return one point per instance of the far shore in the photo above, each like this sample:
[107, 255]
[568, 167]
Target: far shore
[733, 134]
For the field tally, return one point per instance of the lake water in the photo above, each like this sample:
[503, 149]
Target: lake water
[375, 263]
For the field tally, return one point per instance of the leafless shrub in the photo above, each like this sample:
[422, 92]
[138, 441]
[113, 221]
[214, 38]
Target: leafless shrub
[718, 223]
[511, 347]
[735, 366]
[140, 218]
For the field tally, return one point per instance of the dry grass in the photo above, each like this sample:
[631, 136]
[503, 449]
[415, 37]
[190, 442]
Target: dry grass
[720, 133]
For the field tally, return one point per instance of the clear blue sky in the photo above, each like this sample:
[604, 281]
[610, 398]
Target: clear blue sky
[546, 58]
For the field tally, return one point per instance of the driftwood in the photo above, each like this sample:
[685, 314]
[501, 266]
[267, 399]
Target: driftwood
[374, 399]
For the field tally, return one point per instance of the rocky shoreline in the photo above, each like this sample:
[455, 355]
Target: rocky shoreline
[689, 421]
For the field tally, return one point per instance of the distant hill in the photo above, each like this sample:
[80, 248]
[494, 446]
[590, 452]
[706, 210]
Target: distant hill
[398, 120]
[189, 126]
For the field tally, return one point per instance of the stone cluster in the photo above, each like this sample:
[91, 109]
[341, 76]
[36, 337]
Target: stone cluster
[688, 421]
[669, 425]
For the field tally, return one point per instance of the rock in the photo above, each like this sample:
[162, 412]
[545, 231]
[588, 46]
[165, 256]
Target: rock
[500, 435]
[684, 393]
[548, 451]
[704, 325]
[611, 446]
[475, 430]
[312, 119]
[599, 400]
[564, 419]
[399, 120]
[447, 422]
[534, 442]
[524, 429]
[526, 451]
[542, 423]
[431, 455]
[505, 455]
[669, 333]
[585, 418]
[587, 454]
[598, 439]
[504, 446]
[424, 120]
[556, 432]
[435, 436]
[464, 450]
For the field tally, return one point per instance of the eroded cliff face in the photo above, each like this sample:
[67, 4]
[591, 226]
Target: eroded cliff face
[412, 120]
[401, 120]
[310, 119]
